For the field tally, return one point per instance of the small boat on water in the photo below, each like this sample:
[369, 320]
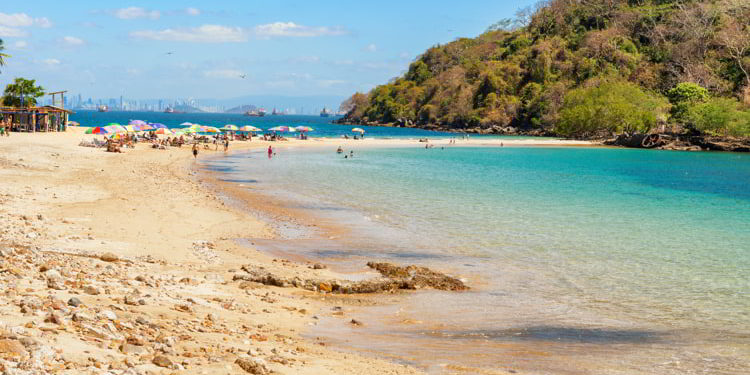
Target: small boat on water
[259, 113]
[169, 110]
[276, 113]
[103, 108]
[326, 112]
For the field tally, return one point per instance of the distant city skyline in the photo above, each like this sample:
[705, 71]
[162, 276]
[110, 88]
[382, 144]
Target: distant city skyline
[174, 49]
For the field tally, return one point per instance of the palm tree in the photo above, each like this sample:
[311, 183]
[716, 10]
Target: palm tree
[22, 92]
[2, 55]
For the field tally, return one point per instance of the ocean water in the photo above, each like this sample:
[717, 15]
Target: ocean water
[323, 125]
[582, 260]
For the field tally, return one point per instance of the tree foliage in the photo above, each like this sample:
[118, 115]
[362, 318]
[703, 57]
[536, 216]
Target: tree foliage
[25, 89]
[519, 72]
[2, 55]
[720, 116]
[610, 107]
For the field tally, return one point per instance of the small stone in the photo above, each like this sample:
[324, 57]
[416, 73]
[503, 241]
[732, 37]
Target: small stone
[131, 300]
[162, 361]
[89, 289]
[53, 318]
[81, 317]
[109, 257]
[318, 266]
[252, 366]
[355, 322]
[74, 301]
[325, 287]
[127, 348]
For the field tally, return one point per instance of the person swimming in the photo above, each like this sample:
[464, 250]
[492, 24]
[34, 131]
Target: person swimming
[339, 150]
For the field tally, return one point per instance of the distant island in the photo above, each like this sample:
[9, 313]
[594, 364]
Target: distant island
[590, 70]
[241, 109]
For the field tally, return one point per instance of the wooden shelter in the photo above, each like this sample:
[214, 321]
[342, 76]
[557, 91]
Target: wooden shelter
[35, 119]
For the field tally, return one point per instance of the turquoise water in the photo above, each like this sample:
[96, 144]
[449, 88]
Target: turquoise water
[323, 126]
[581, 240]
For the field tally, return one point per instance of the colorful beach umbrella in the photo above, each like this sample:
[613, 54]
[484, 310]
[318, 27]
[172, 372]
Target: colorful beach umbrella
[230, 127]
[304, 129]
[248, 128]
[73, 123]
[145, 127]
[96, 130]
[158, 126]
[137, 122]
[163, 131]
[283, 129]
[186, 123]
[116, 128]
[358, 130]
[210, 129]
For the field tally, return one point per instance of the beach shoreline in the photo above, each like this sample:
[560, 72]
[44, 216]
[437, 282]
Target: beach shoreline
[161, 217]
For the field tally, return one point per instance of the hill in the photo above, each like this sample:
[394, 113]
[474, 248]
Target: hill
[585, 68]
[241, 109]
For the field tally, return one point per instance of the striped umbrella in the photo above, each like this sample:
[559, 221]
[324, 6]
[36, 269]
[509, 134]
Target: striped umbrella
[137, 122]
[248, 128]
[73, 123]
[304, 129]
[186, 124]
[116, 129]
[146, 127]
[358, 130]
[210, 129]
[283, 129]
[132, 128]
[230, 127]
[158, 126]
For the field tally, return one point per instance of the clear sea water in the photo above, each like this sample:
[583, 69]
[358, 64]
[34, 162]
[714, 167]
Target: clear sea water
[642, 257]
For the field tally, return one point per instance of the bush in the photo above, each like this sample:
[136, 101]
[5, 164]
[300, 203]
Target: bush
[610, 107]
[719, 116]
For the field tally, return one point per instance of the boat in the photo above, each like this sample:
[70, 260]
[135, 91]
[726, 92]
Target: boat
[103, 108]
[261, 112]
[325, 112]
[256, 113]
[276, 113]
[169, 110]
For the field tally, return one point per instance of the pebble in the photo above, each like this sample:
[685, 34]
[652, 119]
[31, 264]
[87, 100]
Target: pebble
[109, 257]
[162, 361]
[74, 301]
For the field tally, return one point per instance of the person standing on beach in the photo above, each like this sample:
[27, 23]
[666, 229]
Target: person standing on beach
[270, 152]
[226, 145]
[195, 150]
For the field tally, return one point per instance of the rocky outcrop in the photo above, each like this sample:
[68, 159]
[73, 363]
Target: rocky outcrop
[394, 278]
[679, 142]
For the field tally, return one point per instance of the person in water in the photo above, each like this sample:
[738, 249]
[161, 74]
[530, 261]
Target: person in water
[270, 152]
[339, 150]
[351, 154]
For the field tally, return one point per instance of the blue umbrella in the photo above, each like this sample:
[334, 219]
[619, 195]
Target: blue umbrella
[158, 126]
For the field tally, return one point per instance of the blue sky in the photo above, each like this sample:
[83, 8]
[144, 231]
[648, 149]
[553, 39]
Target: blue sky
[290, 48]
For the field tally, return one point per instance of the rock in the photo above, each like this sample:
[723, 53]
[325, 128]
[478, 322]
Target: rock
[355, 322]
[325, 287]
[318, 266]
[162, 361]
[109, 257]
[81, 317]
[53, 317]
[12, 348]
[74, 301]
[252, 366]
[127, 348]
[109, 314]
[89, 289]
[131, 300]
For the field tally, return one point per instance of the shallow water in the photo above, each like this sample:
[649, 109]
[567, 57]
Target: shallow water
[611, 259]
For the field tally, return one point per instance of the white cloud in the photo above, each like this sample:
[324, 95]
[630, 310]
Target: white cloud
[20, 44]
[72, 41]
[51, 62]
[371, 47]
[223, 73]
[11, 24]
[202, 34]
[193, 11]
[16, 20]
[291, 29]
[11, 32]
[136, 12]
[43, 22]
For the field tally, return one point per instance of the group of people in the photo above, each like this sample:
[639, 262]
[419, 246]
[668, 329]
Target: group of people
[346, 156]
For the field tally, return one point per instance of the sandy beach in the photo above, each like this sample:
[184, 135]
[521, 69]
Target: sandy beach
[128, 263]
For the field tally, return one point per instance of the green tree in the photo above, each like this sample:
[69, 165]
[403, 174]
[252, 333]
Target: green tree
[684, 96]
[719, 116]
[418, 72]
[610, 107]
[22, 88]
[2, 55]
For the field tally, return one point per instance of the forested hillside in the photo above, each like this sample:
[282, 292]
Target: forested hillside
[582, 68]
